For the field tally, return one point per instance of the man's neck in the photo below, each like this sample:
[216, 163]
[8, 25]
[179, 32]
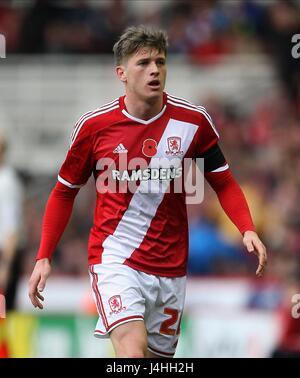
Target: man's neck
[142, 109]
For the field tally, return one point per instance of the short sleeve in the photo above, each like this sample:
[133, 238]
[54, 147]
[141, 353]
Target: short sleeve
[78, 165]
[207, 146]
[207, 135]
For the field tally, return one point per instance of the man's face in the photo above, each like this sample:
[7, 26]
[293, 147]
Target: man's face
[144, 73]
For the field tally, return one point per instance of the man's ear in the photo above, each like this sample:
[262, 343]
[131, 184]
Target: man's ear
[121, 73]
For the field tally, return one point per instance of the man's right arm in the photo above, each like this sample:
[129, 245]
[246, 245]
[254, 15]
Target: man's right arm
[56, 217]
[73, 174]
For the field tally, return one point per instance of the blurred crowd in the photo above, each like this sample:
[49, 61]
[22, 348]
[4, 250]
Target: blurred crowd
[204, 31]
[262, 146]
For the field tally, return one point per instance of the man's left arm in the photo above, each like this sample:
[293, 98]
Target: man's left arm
[233, 202]
[231, 197]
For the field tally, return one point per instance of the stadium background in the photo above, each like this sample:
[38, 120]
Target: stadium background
[233, 57]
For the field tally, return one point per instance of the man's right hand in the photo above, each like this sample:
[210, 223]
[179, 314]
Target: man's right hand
[38, 280]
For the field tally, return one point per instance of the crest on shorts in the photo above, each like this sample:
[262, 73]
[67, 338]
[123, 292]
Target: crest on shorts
[115, 304]
[174, 146]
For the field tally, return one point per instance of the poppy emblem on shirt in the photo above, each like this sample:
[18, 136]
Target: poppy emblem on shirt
[115, 304]
[174, 146]
[149, 148]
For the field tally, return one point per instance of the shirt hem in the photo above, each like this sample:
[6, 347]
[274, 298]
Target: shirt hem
[155, 272]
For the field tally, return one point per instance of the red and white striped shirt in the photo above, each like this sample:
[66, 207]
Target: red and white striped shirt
[148, 232]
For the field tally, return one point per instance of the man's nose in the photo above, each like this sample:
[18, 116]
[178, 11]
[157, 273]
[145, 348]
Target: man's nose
[154, 69]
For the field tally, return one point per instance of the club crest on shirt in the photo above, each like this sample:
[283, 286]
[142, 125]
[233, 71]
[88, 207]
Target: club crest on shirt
[174, 146]
[115, 304]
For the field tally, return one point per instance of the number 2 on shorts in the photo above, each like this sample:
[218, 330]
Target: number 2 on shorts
[166, 325]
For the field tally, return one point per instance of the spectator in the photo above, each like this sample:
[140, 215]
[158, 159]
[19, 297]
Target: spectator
[10, 227]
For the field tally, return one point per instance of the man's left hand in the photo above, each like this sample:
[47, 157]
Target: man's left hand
[254, 245]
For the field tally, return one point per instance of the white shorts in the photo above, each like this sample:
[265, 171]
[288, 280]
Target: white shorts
[123, 294]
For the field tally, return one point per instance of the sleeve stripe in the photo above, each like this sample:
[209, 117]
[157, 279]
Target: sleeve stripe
[69, 185]
[108, 105]
[221, 169]
[89, 117]
[78, 122]
[196, 109]
[183, 101]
